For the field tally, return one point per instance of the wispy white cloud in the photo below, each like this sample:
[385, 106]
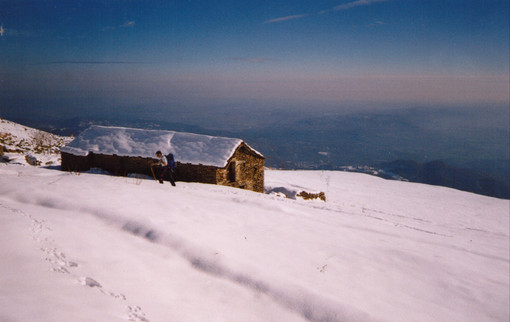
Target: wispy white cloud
[252, 60]
[377, 24]
[128, 24]
[345, 6]
[357, 3]
[93, 62]
[285, 18]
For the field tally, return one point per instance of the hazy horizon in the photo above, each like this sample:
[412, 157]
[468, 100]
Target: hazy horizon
[368, 79]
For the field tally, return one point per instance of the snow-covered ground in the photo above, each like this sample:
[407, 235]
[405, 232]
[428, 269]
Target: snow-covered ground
[92, 247]
[19, 143]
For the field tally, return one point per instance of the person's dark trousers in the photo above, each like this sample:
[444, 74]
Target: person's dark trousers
[156, 171]
[167, 173]
[171, 176]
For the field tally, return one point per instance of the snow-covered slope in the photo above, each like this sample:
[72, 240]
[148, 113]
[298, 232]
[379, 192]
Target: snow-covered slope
[93, 247]
[18, 141]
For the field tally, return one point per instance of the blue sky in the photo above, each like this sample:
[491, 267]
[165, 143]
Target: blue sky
[195, 52]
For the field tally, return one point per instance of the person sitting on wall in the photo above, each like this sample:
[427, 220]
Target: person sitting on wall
[161, 167]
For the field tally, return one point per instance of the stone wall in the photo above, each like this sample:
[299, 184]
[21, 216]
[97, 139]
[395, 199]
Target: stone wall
[74, 163]
[245, 170]
[111, 163]
[121, 165]
[195, 173]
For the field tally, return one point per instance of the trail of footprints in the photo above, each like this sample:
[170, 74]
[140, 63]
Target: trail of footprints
[59, 263]
[136, 314]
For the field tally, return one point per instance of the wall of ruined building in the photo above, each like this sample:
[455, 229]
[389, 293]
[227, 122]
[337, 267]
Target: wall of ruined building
[116, 165]
[195, 173]
[74, 163]
[245, 170]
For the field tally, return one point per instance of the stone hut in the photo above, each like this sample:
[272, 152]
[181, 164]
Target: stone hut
[200, 158]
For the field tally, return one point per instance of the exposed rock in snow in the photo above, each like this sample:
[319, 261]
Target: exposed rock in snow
[27, 145]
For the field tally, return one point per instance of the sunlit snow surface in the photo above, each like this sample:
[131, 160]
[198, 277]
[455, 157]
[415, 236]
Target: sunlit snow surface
[93, 247]
[24, 140]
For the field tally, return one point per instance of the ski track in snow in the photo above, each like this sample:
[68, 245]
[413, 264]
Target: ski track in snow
[59, 263]
[379, 217]
[301, 301]
[402, 225]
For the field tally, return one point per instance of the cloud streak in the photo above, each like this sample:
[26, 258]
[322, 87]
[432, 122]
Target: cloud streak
[286, 18]
[128, 24]
[252, 60]
[357, 3]
[345, 6]
[93, 62]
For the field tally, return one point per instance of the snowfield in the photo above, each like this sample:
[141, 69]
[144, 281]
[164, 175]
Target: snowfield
[93, 247]
[20, 143]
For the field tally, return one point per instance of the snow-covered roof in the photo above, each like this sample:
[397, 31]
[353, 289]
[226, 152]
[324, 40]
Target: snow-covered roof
[186, 147]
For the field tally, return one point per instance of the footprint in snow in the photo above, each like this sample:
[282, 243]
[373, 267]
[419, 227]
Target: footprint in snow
[57, 260]
[90, 282]
[135, 313]
[60, 263]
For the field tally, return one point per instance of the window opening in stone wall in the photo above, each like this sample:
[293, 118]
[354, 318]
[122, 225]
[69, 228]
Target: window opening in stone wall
[232, 172]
